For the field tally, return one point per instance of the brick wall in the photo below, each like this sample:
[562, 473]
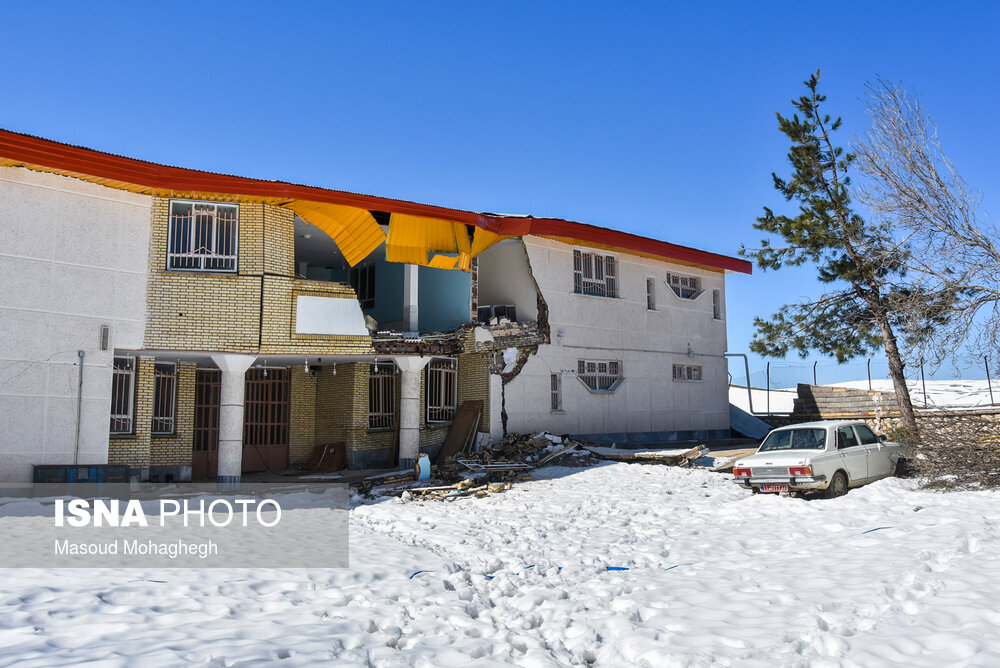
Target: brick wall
[200, 310]
[175, 449]
[249, 311]
[302, 417]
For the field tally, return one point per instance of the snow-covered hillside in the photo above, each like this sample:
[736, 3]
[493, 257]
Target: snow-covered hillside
[886, 575]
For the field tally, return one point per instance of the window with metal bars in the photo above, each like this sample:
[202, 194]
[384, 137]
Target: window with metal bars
[123, 395]
[382, 396]
[202, 236]
[442, 390]
[685, 287]
[651, 294]
[556, 389]
[595, 274]
[164, 397]
[363, 281]
[687, 372]
[599, 375]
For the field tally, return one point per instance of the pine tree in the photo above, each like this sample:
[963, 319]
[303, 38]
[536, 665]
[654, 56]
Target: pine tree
[861, 263]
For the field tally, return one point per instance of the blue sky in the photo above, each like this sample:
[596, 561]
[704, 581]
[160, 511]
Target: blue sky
[654, 118]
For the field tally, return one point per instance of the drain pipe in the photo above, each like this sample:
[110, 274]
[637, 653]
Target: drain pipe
[746, 365]
[79, 408]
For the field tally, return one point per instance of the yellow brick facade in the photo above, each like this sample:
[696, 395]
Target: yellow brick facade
[175, 449]
[252, 311]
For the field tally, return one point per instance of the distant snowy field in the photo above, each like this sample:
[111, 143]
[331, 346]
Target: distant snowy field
[886, 575]
[951, 394]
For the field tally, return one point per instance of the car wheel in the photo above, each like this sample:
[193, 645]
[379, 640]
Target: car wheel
[902, 469]
[838, 486]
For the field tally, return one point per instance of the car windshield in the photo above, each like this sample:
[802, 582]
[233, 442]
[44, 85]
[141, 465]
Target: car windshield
[795, 439]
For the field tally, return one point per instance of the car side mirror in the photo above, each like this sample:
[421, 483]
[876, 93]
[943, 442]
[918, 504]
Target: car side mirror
[882, 438]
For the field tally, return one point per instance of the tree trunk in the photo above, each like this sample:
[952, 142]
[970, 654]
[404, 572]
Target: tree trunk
[906, 415]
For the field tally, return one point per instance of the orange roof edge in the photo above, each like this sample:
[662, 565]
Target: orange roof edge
[39, 153]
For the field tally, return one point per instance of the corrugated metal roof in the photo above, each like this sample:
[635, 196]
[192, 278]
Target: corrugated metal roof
[354, 232]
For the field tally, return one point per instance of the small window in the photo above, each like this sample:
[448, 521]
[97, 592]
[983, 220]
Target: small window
[202, 236]
[846, 438]
[556, 388]
[595, 274]
[123, 395]
[687, 372]
[164, 397]
[363, 281]
[651, 294]
[717, 304]
[382, 396]
[865, 434]
[599, 375]
[685, 287]
[442, 390]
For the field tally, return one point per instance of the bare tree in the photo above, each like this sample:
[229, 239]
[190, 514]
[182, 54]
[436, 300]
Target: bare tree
[954, 254]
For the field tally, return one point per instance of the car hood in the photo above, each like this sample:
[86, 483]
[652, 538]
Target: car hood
[778, 458]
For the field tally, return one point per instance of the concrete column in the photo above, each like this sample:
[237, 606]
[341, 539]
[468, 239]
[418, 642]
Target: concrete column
[411, 292]
[234, 369]
[409, 408]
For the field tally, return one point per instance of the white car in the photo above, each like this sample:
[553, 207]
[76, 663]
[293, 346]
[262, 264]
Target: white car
[830, 456]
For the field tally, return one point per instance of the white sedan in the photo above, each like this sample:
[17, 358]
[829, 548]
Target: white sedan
[830, 456]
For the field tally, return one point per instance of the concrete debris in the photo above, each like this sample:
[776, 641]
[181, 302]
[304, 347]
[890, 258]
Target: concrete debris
[675, 457]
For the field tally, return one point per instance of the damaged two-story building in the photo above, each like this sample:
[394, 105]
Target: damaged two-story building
[193, 325]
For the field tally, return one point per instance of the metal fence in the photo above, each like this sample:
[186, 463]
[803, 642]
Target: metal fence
[929, 387]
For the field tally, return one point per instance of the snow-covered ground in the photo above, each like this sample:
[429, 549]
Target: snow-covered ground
[951, 394]
[887, 575]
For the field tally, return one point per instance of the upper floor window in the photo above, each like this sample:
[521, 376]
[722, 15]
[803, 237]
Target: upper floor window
[650, 294]
[123, 395]
[717, 304]
[599, 375]
[363, 281]
[685, 287]
[442, 390]
[202, 236]
[555, 388]
[595, 274]
[687, 372]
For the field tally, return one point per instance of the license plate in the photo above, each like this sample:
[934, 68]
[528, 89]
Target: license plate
[774, 488]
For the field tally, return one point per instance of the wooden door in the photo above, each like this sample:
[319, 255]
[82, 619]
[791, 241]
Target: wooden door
[207, 394]
[265, 420]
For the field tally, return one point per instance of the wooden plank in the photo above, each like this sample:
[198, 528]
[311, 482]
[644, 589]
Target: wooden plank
[466, 419]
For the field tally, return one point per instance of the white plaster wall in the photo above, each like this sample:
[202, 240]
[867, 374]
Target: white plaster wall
[504, 279]
[648, 343]
[73, 257]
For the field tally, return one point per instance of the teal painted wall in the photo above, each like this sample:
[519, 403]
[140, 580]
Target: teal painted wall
[443, 298]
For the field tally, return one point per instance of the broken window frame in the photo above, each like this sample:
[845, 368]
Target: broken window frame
[600, 375]
[684, 286]
[595, 274]
[382, 397]
[218, 251]
[442, 389]
[688, 373]
[123, 389]
[164, 399]
[362, 279]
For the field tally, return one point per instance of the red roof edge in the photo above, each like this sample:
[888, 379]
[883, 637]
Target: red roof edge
[56, 155]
